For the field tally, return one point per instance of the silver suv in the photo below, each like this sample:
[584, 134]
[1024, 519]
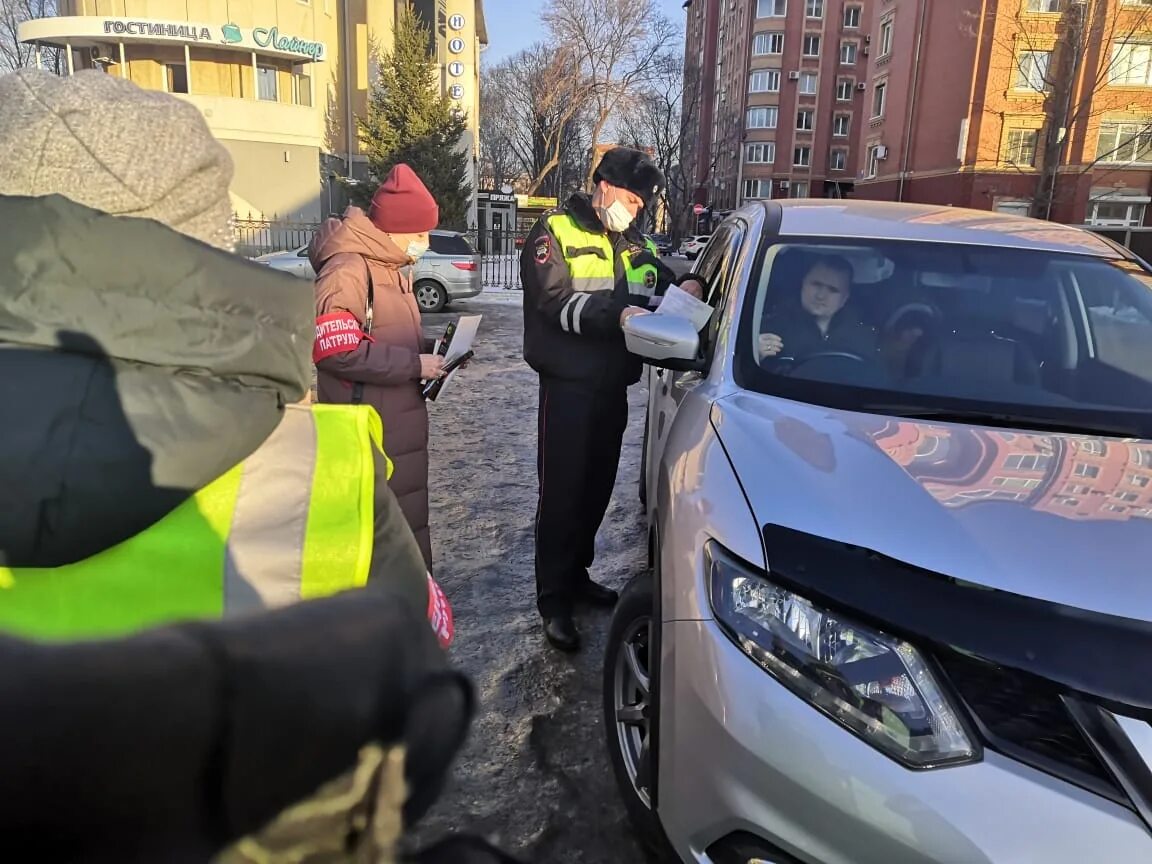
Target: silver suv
[900, 518]
[450, 270]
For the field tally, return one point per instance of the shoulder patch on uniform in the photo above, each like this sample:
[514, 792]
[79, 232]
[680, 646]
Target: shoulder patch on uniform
[543, 249]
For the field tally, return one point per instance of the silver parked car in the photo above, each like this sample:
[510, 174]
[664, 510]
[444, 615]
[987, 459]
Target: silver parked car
[900, 505]
[450, 270]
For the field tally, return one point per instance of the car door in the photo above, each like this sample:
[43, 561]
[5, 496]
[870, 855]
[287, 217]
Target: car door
[667, 389]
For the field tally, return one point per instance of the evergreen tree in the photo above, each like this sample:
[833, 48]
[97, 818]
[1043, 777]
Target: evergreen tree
[409, 120]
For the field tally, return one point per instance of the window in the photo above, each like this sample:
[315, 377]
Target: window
[757, 189]
[1125, 142]
[302, 87]
[1021, 207]
[811, 45]
[841, 126]
[1141, 456]
[805, 118]
[1076, 489]
[1016, 482]
[450, 244]
[764, 81]
[838, 160]
[1032, 71]
[1093, 448]
[176, 76]
[848, 53]
[761, 154]
[1138, 480]
[1027, 462]
[267, 84]
[771, 8]
[802, 157]
[844, 88]
[851, 16]
[1127, 497]
[879, 99]
[815, 9]
[886, 37]
[764, 44]
[799, 189]
[1083, 469]
[1042, 5]
[808, 83]
[1117, 214]
[762, 118]
[873, 161]
[1131, 64]
[1021, 147]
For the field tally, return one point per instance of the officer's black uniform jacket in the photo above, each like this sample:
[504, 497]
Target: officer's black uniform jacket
[594, 350]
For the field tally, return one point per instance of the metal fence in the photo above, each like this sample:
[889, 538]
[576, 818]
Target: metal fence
[261, 236]
[499, 250]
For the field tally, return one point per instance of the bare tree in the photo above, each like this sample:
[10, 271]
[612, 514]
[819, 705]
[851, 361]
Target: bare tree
[546, 95]
[498, 163]
[15, 54]
[616, 44]
[653, 119]
[1072, 61]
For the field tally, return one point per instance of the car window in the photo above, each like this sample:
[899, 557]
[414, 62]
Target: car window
[716, 267]
[302, 252]
[938, 326]
[449, 244]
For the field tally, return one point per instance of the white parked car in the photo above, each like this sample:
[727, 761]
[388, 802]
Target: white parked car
[450, 270]
[691, 247]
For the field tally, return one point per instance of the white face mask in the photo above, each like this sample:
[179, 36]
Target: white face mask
[615, 217]
[415, 250]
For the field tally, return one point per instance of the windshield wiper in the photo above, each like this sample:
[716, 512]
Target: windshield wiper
[1004, 420]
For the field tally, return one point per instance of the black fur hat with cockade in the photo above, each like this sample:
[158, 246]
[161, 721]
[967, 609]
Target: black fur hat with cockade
[633, 170]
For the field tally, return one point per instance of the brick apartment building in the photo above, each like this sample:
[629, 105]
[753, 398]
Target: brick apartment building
[775, 99]
[1039, 107]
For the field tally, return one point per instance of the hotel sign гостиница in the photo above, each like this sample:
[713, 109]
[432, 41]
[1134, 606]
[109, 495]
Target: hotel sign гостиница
[229, 35]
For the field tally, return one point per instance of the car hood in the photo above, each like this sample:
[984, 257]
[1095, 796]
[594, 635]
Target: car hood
[1062, 518]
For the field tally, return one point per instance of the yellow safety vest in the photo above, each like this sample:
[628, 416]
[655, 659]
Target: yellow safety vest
[294, 520]
[588, 255]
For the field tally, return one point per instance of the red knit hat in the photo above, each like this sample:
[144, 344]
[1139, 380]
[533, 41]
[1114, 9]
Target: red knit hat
[403, 204]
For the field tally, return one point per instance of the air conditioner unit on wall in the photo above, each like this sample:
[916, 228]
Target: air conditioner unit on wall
[785, 184]
[793, 76]
[861, 86]
[881, 152]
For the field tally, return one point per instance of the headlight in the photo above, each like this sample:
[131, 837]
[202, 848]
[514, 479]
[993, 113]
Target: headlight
[875, 685]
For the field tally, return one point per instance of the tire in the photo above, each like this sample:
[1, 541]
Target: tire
[430, 296]
[631, 744]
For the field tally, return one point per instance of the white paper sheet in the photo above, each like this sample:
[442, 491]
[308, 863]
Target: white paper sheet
[462, 339]
[681, 304]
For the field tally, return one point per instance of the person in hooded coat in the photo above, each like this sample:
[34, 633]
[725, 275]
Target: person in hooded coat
[377, 250]
[165, 692]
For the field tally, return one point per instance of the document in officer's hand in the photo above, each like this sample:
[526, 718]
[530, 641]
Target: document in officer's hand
[456, 349]
[681, 304]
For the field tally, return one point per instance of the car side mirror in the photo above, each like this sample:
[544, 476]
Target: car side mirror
[664, 340]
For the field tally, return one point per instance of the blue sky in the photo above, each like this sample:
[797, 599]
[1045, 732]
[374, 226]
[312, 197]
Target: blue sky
[514, 24]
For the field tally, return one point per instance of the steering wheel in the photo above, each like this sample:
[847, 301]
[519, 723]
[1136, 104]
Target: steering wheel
[817, 355]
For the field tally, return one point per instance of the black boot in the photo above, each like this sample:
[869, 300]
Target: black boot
[561, 631]
[595, 594]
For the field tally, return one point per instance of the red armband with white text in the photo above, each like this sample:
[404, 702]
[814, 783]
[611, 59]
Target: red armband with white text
[337, 333]
[440, 614]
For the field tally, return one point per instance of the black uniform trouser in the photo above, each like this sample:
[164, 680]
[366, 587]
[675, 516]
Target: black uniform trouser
[580, 428]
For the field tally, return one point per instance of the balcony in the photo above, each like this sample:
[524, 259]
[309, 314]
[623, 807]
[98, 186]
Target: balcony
[255, 120]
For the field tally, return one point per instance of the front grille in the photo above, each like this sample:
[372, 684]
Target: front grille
[1024, 718]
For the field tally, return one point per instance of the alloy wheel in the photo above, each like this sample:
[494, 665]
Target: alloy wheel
[632, 702]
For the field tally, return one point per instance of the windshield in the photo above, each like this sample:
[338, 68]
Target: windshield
[1039, 338]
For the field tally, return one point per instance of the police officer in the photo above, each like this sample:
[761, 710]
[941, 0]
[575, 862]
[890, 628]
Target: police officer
[585, 268]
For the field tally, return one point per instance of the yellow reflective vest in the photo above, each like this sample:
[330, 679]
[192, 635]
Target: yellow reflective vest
[295, 520]
[590, 259]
